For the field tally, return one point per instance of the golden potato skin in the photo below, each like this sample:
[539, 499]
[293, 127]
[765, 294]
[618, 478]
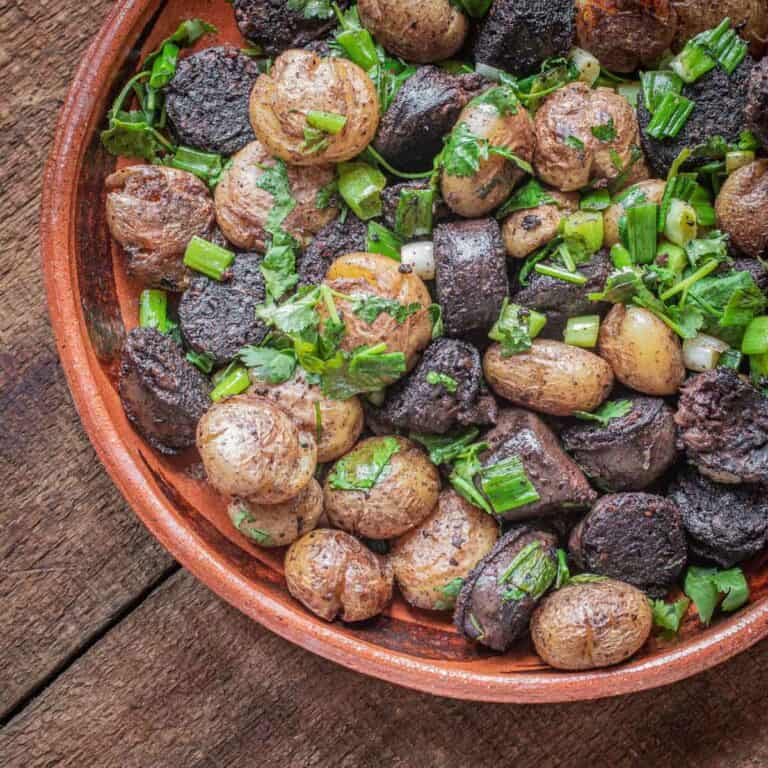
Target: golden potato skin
[474, 196]
[251, 448]
[573, 111]
[430, 30]
[644, 353]
[332, 574]
[446, 546]
[370, 274]
[592, 625]
[242, 207]
[277, 525]
[340, 421]
[551, 377]
[653, 189]
[526, 231]
[300, 82]
[403, 497]
[742, 208]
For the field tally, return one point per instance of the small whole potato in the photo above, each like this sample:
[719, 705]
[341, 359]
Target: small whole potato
[336, 424]
[650, 191]
[332, 574]
[432, 559]
[591, 625]
[251, 448]
[277, 525]
[551, 377]
[369, 274]
[431, 30]
[301, 82]
[526, 231]
[742, 209]
[644, 353]
[401, 497]
[476, 195]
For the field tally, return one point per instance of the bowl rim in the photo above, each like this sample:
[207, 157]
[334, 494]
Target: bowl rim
[57, 231]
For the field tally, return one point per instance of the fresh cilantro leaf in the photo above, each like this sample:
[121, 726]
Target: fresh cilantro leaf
[312, 9]
[713, 246]
[733, 585]
[704, 586]
[293, 316]
[366, 369]
[244, 521]
[464, 152]
[274, 179]
[574, 142]
[466, 466]
[443, 449]
[613, 409]
[279, 265]
[502, 98]
[451, 592]
[669, 615]
[369, 308]
[530, 195]
[523, 165]
[273, 366]
[604, 133]
[365, 466]
[514, 329]
[448, 383]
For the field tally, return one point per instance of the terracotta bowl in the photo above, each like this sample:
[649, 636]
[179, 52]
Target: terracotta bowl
[92, 302]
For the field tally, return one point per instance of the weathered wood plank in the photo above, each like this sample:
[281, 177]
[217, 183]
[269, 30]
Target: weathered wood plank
[187, 681]
[72, 555]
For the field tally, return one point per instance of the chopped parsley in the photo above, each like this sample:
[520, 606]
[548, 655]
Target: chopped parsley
[705, 585]
[369, 308]
[516, 328]
[668, 616]
[613, 409]
[365, 466]
[606, 132]
[273, 366]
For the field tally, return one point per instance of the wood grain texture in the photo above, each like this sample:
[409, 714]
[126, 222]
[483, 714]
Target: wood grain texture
[72, 556]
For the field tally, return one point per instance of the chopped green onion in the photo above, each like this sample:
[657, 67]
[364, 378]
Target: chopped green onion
[234, 382]
[620, 256]
[413, 217]
[673, 257]
[561, 274]
[206, 257]
[582, 331]
[359, 47]
[730, 359]
[692, 62]
[680, 226]
[672, 114]
[360, 185]
[755, 340]
[586, 229]
[631, 92]
[164, 66]
[641, 232]
[153, 309]
[736, 160]
[656, 85]
[597, 200]
[384, 241]
[327, 122]
[202, 361]
[205, 165]
[506, 485]
[722, 43]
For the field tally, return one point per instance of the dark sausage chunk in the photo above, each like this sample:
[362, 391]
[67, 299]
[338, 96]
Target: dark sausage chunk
[723, 423]
[415, 404]
[423, 112]
[719, 111]
[333, 240]
[629, 453]
[725, 524]
[470, 274]
[482, 614]
[208, 97]
[756, 110]
[557, 479]
[163, 395]
[519, 35]
[218, 318]
[559, 300]
[270, 24]
[633, 537]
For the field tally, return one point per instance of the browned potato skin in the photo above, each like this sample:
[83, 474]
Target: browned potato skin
[654, 192]
[446, 546]
[742, 208]
[283, 523]
[526, 231]
[332, 574]
[474, 196]
[341, 421]
[251, 448]
[398, 502]
[644, 353]
[299, 82]
[551, 377]
[370, 274]
[430, 30]
[625, 35]
[573, 111]
[153, 212]
[694, 16]
[592, 625]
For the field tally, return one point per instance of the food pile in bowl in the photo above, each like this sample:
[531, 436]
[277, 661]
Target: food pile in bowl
[465, 299]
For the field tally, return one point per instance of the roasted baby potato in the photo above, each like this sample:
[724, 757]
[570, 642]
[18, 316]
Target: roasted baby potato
[301, 82]
[242, 206]
[381, 489]
[431, 560]
[551, 377]
[277, 525]
[431, 30]
[586, 626]
[742, 206]
[526, 231]
[153, 212]
[644, 353]
[650, 191]
[368, 274]
[568, 153]
[250, 448]
[332, 574]
[476, 195]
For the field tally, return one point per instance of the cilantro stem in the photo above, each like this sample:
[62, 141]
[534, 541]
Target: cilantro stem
[387, 167]
[684, 285]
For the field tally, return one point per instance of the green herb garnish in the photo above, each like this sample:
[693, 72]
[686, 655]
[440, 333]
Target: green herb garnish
[705, 585]
[448, 383]
[530, 574]
[613, 409]
[365, 466]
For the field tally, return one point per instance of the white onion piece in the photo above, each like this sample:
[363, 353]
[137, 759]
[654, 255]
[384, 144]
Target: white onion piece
[420, 257]
[587, 64]
[702, 353]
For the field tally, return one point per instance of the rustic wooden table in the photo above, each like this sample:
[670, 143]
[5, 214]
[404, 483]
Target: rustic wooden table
[111, 655]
